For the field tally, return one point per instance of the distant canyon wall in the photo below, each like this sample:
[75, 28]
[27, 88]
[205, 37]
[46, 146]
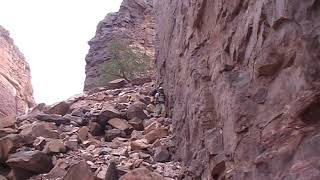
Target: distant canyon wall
[132, 25]
[16, 93]
[242, 79]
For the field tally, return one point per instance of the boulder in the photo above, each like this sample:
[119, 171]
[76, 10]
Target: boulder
[47, 130]
[95, 129]
[111, 172]
[139, 144]
[119, 123]
[136, 111]
[156, 134]
[141, 174]
[60, 108]
[32, 161]
[117, 84]
[72, 144]
[109, 112]
[83, 133]
[55, 118]
[113, 133]
[7, 122]
[80, 171]
[136, 123]
[54, 146]
[161, 154]
[8, 144]
[75, 120]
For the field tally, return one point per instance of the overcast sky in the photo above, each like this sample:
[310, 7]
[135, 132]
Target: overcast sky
[53, 36]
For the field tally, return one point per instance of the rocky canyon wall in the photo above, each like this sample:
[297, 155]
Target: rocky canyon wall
[242, 79]
[16, 94]
[132, 25]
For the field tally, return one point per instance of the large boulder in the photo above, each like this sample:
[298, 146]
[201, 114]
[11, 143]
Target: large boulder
[119, 123]
[80, 171]
[55, 118]
[54, 146]
[60, 108]
[35, 162]
[141, 174]
[136, 111]
[108, 112]
[8, 144]
[7, 122]
[47, 130]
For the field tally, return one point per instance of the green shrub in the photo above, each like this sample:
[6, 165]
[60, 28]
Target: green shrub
[125, 63]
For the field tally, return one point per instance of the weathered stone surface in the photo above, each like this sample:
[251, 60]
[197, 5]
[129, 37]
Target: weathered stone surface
[60, 108]
[132, 25]
[141, 174]
[113, 133]
[8, 144]
[119, 123]
[7, 122]
[156, 134]
[95, 129]
[136, 123]
[80, 171]
[116, 84]
[161, 154]
[108, 112]
[54, 146]
[250, 70]
[55, 118]
[136, 111]
[16, 94]
[83, 133]
[48, 130]
[32, 161]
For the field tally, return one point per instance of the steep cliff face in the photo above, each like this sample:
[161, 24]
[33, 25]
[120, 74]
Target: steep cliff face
[132, 25]
[16, 94]
[242, 79]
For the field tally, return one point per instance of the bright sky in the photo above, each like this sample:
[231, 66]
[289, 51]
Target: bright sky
[53, 36]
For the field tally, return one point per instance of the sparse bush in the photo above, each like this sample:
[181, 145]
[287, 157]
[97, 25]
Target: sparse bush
[125, 63]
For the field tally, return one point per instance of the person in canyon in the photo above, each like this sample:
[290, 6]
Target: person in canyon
[160, 99]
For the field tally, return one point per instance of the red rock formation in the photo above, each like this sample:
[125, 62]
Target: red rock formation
[15, 84]
[133, 25]
[242, 79]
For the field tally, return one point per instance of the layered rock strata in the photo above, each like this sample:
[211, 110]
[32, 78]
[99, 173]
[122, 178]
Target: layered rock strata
[242, 79]
[16, 94]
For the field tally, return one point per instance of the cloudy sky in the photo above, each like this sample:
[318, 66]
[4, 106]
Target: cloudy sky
[53, 36]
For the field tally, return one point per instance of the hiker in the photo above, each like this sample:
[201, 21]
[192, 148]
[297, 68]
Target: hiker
[160, 102]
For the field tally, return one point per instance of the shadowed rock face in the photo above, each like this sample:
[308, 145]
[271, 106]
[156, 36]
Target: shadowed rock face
[16, 94]
[242, 79]
[132, 25]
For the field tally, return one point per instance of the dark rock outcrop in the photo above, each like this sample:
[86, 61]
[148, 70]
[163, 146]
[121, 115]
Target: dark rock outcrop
[242, 79]
[16, 94]
[132, 25]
